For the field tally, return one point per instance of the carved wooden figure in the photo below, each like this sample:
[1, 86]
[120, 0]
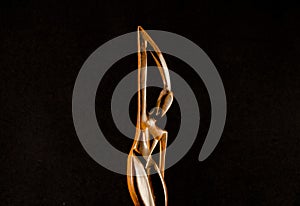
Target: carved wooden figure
[138, 171]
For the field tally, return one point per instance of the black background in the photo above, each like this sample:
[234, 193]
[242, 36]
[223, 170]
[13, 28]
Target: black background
[255, 47]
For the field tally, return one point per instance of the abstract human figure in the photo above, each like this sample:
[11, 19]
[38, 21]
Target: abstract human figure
[138, 170]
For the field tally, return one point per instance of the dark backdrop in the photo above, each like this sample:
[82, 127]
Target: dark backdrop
[255, 47]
